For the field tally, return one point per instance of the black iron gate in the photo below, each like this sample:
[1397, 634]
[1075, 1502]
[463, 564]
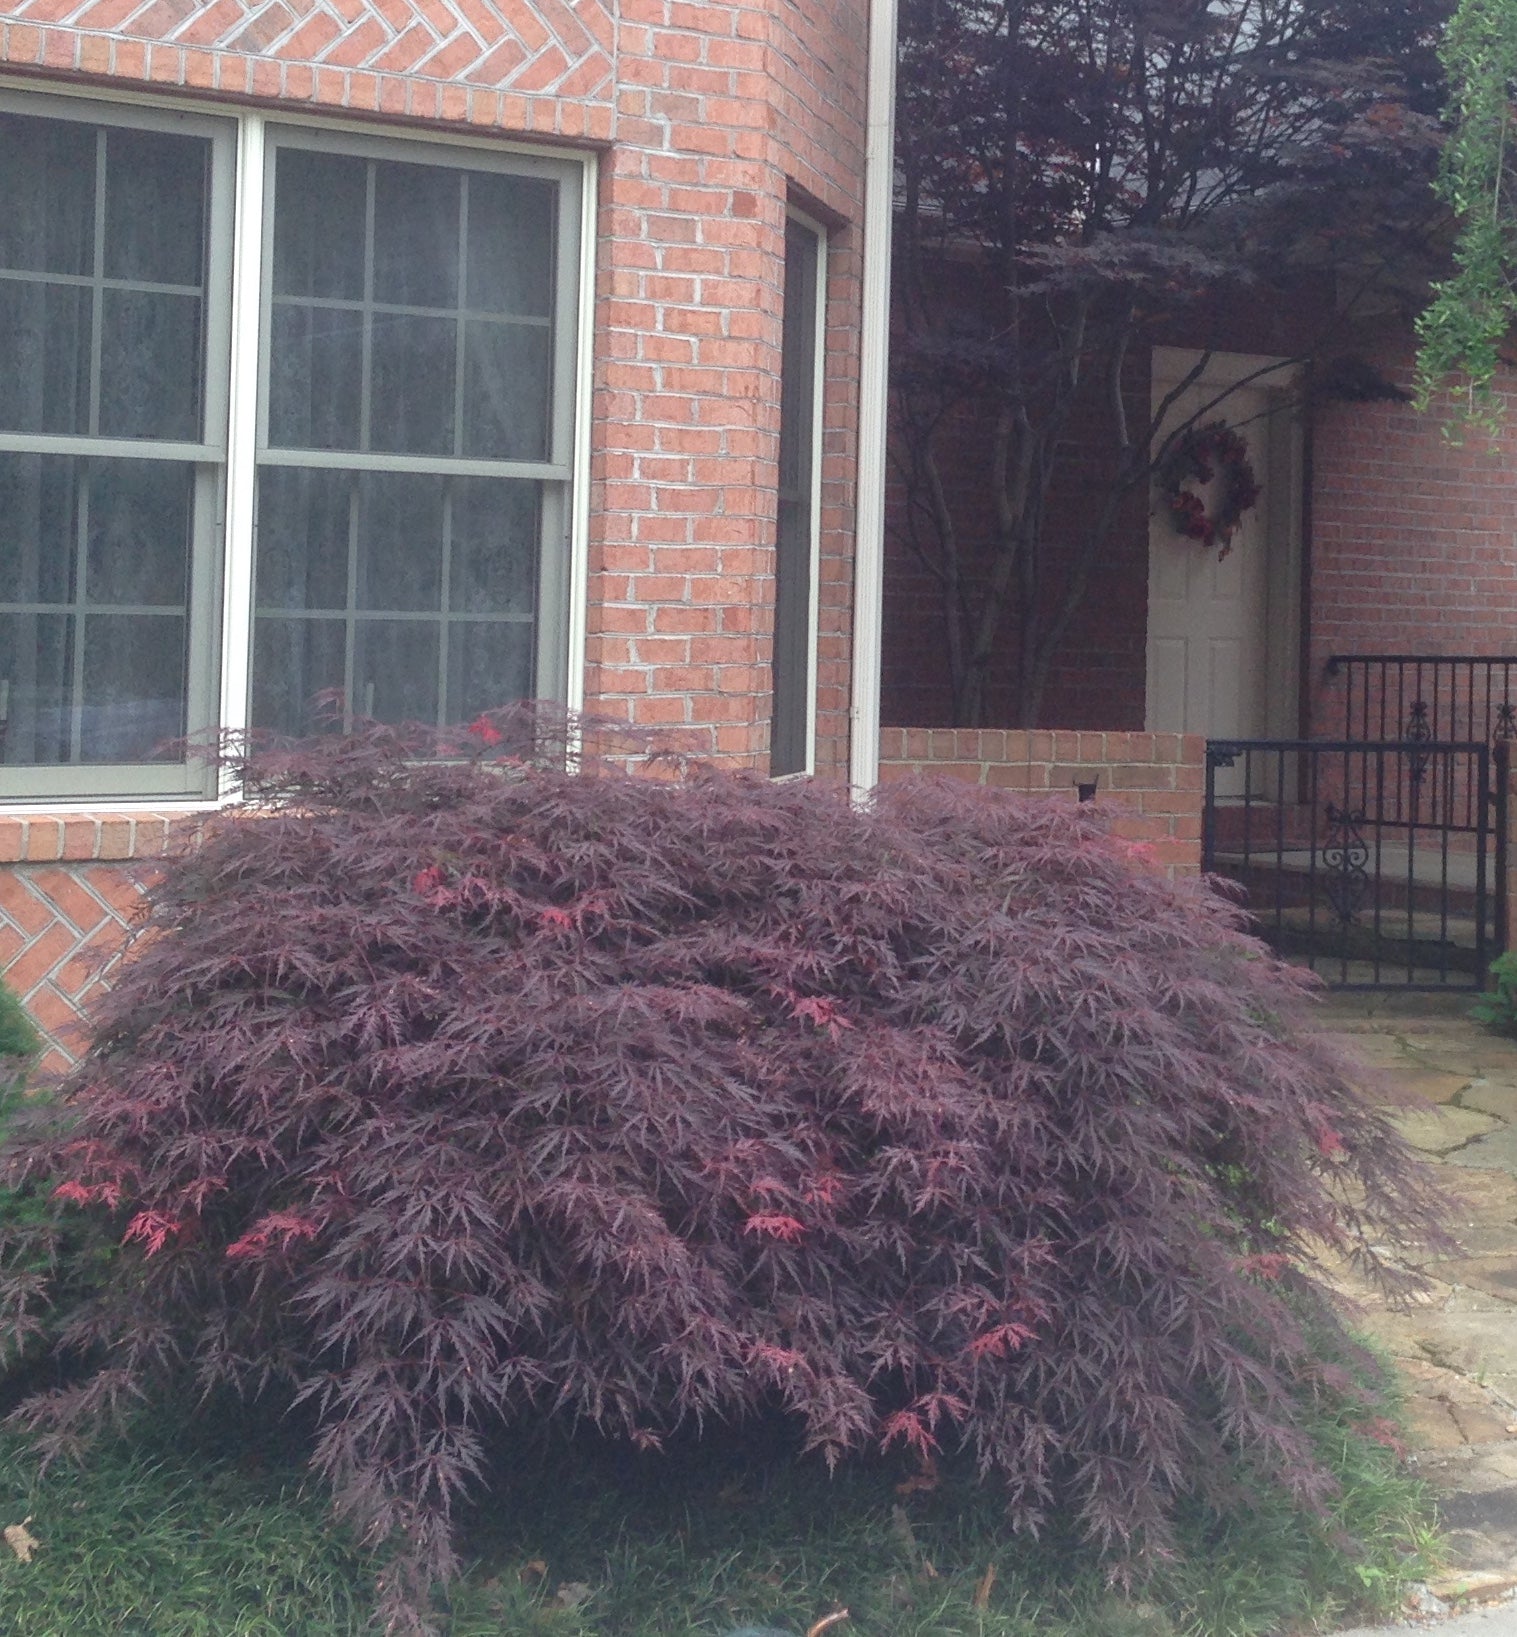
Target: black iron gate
[1380, 864]
[1450, 697]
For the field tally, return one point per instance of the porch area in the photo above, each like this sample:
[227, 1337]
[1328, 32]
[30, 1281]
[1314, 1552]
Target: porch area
[1377, 850]
[1377, 855]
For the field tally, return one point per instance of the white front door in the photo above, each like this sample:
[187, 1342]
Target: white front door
[1222, 629]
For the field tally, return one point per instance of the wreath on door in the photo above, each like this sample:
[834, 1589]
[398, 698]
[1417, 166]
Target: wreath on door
[1203, 453]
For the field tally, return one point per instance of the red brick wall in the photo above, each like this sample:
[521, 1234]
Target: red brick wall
[1155, 782]
[68, 890]
[1412, 549]
[711, 116]
[1099, 674]
[1413, 537]
[726, 112]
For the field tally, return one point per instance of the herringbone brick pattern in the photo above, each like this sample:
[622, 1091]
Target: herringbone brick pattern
[61, 925]
[559, 48]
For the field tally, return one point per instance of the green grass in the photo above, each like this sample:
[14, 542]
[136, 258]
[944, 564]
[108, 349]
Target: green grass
[700, 1548]
[223, 1539]
[166, 1545]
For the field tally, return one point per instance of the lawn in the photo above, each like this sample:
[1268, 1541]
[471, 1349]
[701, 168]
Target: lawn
[580, 1539]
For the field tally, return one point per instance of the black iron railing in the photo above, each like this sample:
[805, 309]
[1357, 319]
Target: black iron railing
[1421, 698]
[1375, 862]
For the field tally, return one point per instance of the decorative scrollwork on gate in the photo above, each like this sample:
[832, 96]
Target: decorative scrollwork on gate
[1345, 853]
[1506, 721]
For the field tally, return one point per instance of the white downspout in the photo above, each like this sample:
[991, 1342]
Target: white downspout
[874, 363]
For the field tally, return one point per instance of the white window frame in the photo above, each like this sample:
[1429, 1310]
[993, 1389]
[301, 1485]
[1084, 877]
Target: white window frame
[814, 531]
[234, 403]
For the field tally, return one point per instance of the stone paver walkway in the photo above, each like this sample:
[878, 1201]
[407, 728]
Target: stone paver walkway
[1498, 1620]
[1457, 1347]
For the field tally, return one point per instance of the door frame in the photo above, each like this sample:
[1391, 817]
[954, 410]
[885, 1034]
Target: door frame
[1284, 511]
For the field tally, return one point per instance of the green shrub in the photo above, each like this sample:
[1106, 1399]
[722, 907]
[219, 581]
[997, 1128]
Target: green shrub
[63, 1250]
[19, 1042]
[1498, 1007]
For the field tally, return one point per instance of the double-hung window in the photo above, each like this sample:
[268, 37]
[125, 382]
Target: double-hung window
[408, 448]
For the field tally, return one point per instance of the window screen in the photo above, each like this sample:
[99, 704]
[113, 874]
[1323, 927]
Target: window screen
[107, 475]
[410, 499]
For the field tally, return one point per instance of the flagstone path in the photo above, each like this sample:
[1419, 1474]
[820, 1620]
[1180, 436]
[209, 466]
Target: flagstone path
[1457, 1346]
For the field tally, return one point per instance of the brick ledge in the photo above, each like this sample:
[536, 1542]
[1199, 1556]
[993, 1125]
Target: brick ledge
[89, 837]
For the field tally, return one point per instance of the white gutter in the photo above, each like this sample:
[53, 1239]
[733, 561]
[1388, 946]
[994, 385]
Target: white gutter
[874, 362]
[242, 438]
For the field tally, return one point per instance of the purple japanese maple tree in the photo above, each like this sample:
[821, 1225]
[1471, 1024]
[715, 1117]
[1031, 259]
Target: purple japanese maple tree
[440, 1095]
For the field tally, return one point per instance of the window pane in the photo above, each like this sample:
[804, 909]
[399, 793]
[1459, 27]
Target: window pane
[395, 670]
[386, 235]
[36, 670]
[400, 542]
[293, 661]
[411, 400]
[496, 528]
[415, 534]
[38, 531]
[512, 222]
[133, 698]
[507, 390]
[141, 516]
[315, 378]
[47, 195]
[129, 691]
[156, 189]
[99, 556]
[798, 363]
[792, 638]
[439, 344]
[45, 345]
[150, 366]
[416, 235]
[303, 525]
[319, 212]
[794, 615]
[489, 665]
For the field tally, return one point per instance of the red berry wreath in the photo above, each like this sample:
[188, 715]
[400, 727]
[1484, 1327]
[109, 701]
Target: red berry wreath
[1205, 452]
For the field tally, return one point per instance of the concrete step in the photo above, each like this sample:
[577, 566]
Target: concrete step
[1395, 880]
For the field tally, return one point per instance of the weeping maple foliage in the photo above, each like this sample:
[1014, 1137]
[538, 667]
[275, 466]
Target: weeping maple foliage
[443, 1095]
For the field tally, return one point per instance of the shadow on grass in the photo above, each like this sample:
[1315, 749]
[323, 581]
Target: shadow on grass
[731, 1533]
[213, 1530]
